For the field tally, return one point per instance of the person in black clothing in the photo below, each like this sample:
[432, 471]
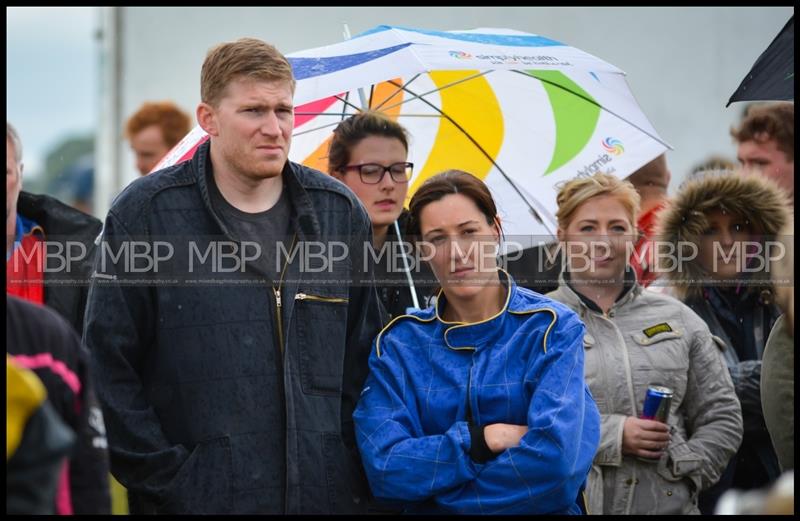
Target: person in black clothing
[37, 443]
[229, 383]
[714, 223]
[60, 280]
[536, 268]
[39, 339]
[35, 224]
[369, 154]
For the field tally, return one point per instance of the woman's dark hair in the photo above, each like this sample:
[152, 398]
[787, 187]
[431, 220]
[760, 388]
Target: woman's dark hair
[351, 131]
[446, 183]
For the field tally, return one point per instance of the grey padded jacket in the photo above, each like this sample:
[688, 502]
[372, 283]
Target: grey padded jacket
[647, 338]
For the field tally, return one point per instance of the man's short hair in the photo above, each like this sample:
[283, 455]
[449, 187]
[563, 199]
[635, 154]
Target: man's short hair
[245, 58]
[770, 121]
[174, 123]
[11, 133]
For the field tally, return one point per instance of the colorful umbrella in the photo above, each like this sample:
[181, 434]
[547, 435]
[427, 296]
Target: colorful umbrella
[520, 111]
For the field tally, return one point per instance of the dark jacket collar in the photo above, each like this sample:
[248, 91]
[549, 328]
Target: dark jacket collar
[304, 219]
[56, 218]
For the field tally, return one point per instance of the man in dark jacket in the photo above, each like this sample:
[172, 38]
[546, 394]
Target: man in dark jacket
[49, 257]
[59, 279]
[229, 382]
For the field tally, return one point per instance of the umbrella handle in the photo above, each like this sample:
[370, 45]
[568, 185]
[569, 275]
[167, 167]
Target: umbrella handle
[407, 269]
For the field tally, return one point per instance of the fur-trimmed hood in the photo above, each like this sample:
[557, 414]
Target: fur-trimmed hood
[758, 200]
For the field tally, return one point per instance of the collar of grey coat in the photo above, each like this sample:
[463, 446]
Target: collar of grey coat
[304, 218]
[630, 289]
[468, 336]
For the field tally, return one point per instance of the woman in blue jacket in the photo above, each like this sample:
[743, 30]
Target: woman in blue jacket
[477, 404]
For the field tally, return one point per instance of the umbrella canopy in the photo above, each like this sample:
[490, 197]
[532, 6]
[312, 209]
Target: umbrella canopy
[520, 111]
[772, 75]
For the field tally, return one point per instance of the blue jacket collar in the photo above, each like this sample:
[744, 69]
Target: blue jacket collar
[469, 336]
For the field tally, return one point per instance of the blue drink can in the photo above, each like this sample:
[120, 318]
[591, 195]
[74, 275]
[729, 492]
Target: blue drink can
[657, 401]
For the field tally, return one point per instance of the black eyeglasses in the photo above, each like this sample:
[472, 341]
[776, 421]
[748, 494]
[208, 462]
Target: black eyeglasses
[372, 173]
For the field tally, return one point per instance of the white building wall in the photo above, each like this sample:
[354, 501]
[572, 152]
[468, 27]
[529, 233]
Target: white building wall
[683, 63]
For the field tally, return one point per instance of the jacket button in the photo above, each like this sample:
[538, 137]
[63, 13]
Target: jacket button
[629, 481]
[636, 481]
[669, 492]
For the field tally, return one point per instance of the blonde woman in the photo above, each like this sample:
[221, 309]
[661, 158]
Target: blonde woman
[636, 338]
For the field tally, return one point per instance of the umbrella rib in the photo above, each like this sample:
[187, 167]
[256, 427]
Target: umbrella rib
[395, 93]
[488, 156]
[338, 115]
[593, 102]
[443, 87]
[308, 131]
[346, 101]
[400, 88]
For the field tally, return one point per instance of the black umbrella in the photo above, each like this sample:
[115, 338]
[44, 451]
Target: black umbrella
[772, 75]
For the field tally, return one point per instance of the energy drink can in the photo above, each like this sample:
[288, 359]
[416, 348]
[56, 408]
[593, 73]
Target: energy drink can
[657, 401]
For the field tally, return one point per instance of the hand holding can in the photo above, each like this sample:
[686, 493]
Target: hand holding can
[657, 402]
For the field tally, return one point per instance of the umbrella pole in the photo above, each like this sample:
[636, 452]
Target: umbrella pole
[346, 34]
[407, 269]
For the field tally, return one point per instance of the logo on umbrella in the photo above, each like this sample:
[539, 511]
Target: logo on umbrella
[461, 55]
[613, 145]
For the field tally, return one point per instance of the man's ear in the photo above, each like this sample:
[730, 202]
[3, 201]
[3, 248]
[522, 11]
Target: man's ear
[207, 119]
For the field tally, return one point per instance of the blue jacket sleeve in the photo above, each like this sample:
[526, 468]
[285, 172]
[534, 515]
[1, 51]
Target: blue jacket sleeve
[400, 461]
[546, 472]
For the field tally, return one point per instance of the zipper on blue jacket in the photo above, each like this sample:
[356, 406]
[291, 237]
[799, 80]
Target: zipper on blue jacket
[470, 418]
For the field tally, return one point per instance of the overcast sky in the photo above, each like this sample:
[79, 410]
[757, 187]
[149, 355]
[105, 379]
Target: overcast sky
[51, 76]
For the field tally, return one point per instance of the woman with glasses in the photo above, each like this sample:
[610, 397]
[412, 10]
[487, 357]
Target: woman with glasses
[640, 342]
[369, 154]
[477, 404]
